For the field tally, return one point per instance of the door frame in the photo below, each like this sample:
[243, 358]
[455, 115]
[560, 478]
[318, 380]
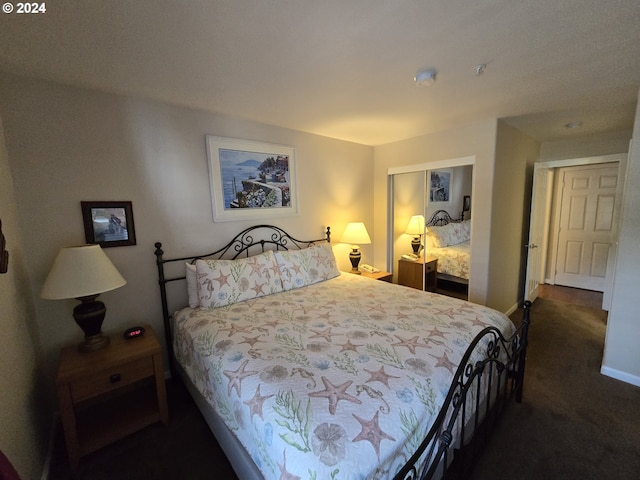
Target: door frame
[621, 158]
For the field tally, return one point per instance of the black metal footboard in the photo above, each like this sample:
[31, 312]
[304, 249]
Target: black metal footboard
[490, 373]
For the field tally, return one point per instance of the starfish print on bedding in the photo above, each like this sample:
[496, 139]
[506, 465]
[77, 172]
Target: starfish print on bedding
[255, 404]
[349, 346]
[272, 323]
[410, 343]
[326, 315]
[372, 433]
[478, 322]
[275, 270]
[402, 316]
[444, 361]
[326, 334]
[233, 329]
[251, 340]
[335, 393]
[436, 333]
[449, 312]
[295, 267]
[380, 376]
[236, 377]
[221, 278]
[284, 475]
[255, 268]
[259, 288]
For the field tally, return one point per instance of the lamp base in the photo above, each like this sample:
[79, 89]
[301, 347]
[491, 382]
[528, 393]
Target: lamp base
[89, 316]
[93, 343]
[355, 257]
[416, 245]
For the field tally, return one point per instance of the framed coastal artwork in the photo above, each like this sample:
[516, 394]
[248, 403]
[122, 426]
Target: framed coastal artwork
[440, 186]
[251, 180]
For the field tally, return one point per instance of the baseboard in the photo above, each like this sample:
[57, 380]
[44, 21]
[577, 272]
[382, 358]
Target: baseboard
[622, 376]
[511, 310]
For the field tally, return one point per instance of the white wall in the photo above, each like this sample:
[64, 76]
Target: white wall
[23, 423]
[67, 144]
[515, 155]
[622, 355]
[477, 140]
[586, 146]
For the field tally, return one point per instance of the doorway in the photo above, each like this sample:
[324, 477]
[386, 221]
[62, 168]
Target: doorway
[545, 223]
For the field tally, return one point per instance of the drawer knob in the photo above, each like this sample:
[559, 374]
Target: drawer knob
[115, 378]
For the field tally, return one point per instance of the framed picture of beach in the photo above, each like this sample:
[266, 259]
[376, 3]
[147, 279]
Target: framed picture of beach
[440, 186]
[251, 180]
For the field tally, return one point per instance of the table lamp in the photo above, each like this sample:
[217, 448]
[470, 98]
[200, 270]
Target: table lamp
[416, 228]
[356, 234]
[83, 273]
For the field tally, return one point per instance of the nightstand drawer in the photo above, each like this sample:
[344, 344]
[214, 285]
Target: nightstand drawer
[111, 379]
[430, 267]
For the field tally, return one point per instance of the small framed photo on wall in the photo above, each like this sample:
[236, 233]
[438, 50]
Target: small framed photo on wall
[466, 203]
[440, 186]
[109, 224]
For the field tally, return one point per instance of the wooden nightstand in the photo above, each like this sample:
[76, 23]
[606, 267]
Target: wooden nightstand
[110, 393]
[384, 276]
[410, 273]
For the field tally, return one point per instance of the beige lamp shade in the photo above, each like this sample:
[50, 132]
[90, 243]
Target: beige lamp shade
[79, 272]
[356, 234]
[415, 225]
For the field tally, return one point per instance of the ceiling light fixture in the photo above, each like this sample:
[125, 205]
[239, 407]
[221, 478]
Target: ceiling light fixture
[572, 125]
[480, 68]
[424, 78]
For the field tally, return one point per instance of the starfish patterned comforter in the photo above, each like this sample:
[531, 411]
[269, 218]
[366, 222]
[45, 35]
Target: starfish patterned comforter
[340, 379]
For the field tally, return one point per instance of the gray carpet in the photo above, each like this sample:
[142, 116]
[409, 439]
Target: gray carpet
[573, 422]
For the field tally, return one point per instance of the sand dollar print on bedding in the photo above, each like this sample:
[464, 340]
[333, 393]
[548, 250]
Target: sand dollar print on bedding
[225, 282]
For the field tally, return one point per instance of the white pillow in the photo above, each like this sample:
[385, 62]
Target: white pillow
[192, 285]
[224, 282]
[299, 268]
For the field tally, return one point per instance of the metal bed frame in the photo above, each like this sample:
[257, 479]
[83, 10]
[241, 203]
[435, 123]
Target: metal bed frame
[500, 373]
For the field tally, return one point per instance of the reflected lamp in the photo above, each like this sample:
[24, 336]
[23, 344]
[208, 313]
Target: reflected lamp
[83, 273]
[416, 228]
[356, 234]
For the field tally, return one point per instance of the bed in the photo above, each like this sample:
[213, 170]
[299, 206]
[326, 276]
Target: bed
[449, 241]
[302, 371]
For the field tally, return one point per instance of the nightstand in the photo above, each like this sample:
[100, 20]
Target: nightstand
[110, 393]
[384, 276]
[410, 273]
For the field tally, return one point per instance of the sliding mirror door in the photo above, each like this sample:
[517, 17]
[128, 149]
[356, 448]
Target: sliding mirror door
[425, 192]
[408, 199]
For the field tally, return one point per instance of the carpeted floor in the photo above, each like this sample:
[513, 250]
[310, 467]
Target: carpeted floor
[573, 421]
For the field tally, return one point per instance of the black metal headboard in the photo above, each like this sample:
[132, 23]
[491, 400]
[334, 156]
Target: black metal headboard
[439, 218]
[250, 241]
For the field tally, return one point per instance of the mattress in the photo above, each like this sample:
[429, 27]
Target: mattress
[338, 379]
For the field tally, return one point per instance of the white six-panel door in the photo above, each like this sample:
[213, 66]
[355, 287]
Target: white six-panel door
[586, 225]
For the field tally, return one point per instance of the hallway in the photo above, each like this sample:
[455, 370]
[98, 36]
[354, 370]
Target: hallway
[575, 296]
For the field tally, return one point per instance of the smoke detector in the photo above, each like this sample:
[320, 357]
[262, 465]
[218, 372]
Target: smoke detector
[424, 78]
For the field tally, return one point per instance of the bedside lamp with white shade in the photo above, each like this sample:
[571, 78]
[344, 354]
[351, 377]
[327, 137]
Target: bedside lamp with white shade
[356, 234]
[83, 273]
[416, 228]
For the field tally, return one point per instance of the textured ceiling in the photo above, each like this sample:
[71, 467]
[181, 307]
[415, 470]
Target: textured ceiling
[345, 68]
